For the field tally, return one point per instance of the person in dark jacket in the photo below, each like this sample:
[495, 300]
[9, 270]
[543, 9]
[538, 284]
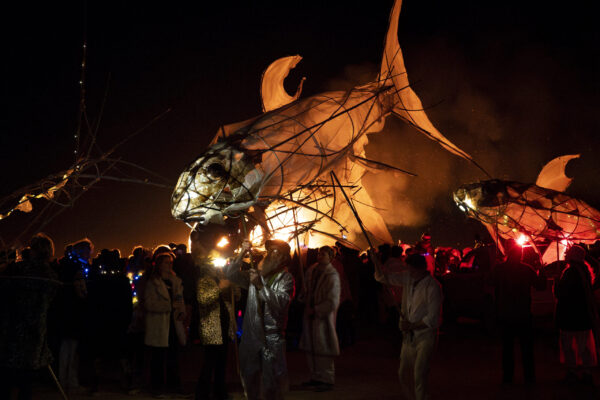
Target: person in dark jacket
[576, 316]
[513, 281]
[71, 303]
[26, 291]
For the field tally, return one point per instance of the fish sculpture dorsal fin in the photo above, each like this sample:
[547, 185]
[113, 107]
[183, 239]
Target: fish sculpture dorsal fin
[272, 92]
[552, 176]
[409, 106]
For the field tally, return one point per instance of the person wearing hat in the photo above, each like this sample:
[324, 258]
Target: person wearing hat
[263, 365]
[512, 281]
[420, 317]
[577, 317]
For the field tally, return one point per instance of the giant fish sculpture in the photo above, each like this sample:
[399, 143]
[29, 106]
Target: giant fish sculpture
[283, 159]
[540, 214]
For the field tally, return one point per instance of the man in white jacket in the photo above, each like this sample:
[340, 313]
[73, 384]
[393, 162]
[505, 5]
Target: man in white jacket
[321, 296]
[419, 321]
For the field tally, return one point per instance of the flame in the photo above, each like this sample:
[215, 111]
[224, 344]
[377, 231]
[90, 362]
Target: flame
[283, 225]
[219, 262]
[223, 242]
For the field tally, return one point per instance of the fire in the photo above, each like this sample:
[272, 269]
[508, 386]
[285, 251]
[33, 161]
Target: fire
[223, 242]
[219, 262]
[283, 221]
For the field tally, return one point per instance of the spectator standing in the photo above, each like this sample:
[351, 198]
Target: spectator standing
[319, 339]
[419, 322]
[577, 317]
[216, 330]
[512, 281]
[345, 314]
[163, 302]
[73, 268]
[26, 291]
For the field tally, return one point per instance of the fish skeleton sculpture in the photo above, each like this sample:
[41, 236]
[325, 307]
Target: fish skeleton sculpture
[541, 213]
[284, 157]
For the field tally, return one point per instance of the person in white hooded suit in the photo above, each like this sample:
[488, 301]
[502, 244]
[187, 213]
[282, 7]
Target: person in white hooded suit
[319, 340]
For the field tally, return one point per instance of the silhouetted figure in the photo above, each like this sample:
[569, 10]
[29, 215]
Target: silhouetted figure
[137, 269]
[188, 273]
[26, 291]
[345, 313]
[512, 281]
[577, 317]
[71, 304]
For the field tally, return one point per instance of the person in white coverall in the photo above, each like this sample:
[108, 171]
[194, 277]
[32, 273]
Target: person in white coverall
[419, 321]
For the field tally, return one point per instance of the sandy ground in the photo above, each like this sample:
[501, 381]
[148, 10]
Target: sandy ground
[466, 366]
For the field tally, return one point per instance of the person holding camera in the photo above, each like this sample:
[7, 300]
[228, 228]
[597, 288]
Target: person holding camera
[263, 365]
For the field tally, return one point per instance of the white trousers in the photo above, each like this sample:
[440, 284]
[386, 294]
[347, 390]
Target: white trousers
[321, 368]
[68, 366]
[415, 357]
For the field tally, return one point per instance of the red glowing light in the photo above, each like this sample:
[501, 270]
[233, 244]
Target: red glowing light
[522, 240]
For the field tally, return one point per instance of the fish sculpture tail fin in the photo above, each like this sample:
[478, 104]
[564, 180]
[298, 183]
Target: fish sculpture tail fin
[404, 101]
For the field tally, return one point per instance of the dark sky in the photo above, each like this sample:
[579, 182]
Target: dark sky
[514, 85]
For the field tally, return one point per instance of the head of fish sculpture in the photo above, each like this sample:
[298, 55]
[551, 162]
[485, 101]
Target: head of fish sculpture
[224, 180]
[297, 142]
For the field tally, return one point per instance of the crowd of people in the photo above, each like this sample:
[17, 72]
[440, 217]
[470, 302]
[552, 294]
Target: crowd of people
[68, 314]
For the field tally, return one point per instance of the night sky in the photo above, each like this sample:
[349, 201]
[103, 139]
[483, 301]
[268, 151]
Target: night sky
[514, 85]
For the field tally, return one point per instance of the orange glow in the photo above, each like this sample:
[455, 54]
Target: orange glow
[223, 242]
[282, 225]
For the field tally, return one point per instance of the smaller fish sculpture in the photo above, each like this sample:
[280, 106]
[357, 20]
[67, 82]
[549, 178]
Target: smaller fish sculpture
[540, 214]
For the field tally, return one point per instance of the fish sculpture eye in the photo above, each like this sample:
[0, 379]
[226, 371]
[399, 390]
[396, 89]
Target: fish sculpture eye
[216, 172]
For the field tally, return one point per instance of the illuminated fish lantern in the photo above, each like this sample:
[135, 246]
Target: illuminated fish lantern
[539, 214]
[282, 160]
